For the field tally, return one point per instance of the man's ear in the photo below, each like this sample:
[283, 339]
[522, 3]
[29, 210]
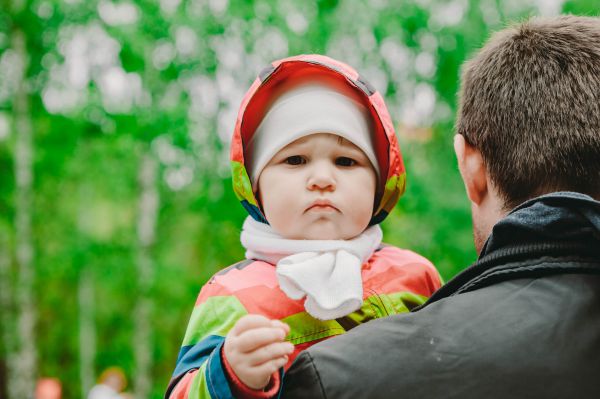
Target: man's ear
[472, 169]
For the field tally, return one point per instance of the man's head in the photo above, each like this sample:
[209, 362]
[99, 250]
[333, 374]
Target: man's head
[529, 119]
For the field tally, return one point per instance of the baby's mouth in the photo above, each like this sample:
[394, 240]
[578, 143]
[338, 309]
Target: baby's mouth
[322, 206]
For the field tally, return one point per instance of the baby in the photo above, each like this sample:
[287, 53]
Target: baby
[316, 163]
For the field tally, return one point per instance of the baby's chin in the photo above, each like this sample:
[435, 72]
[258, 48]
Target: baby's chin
[321, 237]
[322, 233]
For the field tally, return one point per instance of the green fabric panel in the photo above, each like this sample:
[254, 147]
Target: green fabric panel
[241, 183]
[372, 308]
[199, 389]
[402, 302]
[305, 328]
[216, 316]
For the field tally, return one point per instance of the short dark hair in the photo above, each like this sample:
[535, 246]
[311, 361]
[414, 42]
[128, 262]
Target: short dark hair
[530, 103]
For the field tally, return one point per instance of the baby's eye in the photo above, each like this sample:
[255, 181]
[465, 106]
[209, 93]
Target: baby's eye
[295, 160]
[345, 161]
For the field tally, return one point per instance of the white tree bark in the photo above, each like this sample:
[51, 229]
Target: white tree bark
[146, 233]
[86, 299]
[25, 362]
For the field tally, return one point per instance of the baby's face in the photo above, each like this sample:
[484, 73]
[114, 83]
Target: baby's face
[319, 187]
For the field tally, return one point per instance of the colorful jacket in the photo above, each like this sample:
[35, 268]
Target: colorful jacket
[394, 280]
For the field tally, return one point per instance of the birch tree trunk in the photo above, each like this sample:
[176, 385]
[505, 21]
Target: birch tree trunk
[146, 233]
[85, 290]
[25, 362]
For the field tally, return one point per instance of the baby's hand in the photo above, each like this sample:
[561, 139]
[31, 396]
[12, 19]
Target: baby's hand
[256, 348]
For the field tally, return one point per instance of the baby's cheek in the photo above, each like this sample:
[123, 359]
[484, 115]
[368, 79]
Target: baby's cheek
[282, 220]
[361, 217]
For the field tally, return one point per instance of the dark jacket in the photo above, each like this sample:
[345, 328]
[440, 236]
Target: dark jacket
[522, 322]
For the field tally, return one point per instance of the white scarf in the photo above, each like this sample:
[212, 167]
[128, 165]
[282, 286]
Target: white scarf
[327, 272]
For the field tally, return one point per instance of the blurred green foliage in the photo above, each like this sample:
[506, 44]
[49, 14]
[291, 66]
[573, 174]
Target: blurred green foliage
[109, 82]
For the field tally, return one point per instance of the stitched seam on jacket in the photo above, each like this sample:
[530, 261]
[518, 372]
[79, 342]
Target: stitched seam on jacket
[373, 308]
[531, 267]
[208, 374]
[531, 249]
[209, 378]
[317, 333]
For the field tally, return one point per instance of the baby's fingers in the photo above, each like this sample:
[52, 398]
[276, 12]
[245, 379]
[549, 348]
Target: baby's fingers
[263, 371]
[251, 340]
[249, 322]
[282, 325]
[270, 352]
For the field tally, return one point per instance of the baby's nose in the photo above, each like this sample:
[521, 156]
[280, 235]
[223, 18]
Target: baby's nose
[322, 177]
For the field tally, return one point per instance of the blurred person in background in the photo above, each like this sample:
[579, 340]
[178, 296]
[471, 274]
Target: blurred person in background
[48, 388]
[111, 384]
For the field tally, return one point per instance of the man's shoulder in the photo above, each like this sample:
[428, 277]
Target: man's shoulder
[519, 326]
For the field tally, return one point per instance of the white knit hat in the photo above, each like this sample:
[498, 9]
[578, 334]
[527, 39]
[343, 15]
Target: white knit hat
[304, 110]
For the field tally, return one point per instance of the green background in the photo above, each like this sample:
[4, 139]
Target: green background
[102, 88]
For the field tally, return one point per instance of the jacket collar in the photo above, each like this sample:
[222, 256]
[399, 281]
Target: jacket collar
[559, 224]
[557, 217]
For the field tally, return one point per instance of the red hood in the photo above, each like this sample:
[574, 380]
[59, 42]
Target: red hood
[256, 102]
